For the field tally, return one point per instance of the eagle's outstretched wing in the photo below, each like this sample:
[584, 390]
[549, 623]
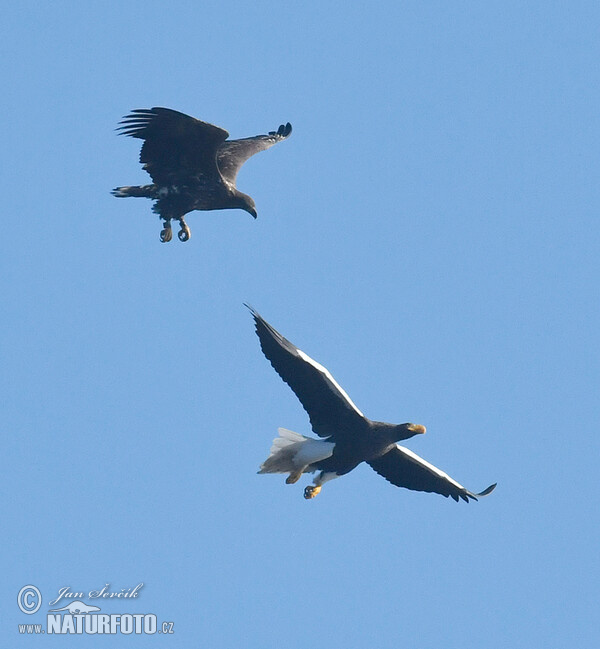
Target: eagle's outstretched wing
[233, 153]
[403, 468]
[330, 409]
[176, 146]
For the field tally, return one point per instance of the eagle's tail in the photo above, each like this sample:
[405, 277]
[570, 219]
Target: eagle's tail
[143, 191]
[292, 453]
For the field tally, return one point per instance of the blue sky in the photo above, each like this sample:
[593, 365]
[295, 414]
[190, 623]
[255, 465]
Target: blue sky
[429, 233]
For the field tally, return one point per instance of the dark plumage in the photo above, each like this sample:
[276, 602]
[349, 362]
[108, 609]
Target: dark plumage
[192, 164]
[351, 438]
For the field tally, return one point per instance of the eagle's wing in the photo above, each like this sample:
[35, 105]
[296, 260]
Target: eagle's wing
[233, 153]
[403, 468]
[330, 409]
[176, 146]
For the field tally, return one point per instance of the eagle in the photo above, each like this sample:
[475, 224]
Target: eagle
[192, 164]
[348, 437]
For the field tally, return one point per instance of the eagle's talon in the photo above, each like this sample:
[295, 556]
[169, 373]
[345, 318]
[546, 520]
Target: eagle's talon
[311, 491]
[166, 235]
[184, 234]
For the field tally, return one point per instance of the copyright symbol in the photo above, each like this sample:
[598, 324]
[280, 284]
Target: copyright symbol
[29, 599]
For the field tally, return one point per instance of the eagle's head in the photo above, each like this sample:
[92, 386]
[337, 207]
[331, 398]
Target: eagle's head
[251, 209]
[247, 204]
[406, 431]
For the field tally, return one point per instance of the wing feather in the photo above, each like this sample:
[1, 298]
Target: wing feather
[176, 146]
[403, 468]
[330, 409]
[233, 153]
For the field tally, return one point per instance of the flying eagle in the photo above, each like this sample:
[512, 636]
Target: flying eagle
[349, 437]
[192, 164]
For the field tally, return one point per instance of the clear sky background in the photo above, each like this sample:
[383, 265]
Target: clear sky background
[429, 233]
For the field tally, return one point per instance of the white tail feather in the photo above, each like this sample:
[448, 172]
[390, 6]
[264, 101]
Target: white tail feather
[292, 452]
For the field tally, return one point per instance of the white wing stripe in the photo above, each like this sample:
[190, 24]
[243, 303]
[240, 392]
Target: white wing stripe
[326, 372]
[423, 462]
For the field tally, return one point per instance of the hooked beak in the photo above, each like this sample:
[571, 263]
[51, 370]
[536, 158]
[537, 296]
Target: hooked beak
[417, 429]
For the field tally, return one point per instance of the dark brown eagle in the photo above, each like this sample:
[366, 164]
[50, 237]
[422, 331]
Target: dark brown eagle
[192, 164]
[349, 437]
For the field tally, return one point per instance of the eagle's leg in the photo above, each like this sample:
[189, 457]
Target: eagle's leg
[184, 234]
[294, 477]
[313, 490]
[166, 234]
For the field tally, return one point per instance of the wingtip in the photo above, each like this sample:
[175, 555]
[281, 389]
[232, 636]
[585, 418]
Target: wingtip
[488, 491]
[136, 119]
[283, 131]
[253, 311]
[468, 496]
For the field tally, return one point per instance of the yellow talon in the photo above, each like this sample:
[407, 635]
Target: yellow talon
[311, 491]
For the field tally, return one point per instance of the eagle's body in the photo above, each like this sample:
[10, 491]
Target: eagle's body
[348, 437]
[192, 164]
